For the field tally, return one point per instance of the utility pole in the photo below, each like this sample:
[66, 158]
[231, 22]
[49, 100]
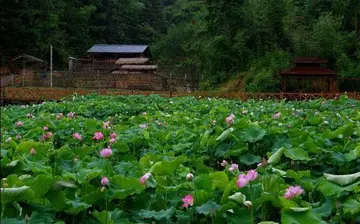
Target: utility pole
[51, 66]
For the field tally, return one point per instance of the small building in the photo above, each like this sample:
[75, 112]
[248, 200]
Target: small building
[126, 66]
[115, 51]
[106, 58]
[22, 70]
[308, 74]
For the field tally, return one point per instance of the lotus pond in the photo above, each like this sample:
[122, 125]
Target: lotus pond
[136, 159]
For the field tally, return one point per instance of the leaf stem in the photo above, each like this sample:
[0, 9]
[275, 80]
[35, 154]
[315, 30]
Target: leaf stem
[3, 202]
[106, 208]
[252, 199]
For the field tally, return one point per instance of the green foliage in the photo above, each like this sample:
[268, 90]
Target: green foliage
[212, 40]
[264, 74]
[224, 38]
[63, 182]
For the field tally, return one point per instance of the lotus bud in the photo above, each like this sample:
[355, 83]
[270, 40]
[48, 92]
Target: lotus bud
[292, 163]
[104, 181]
[5, 183]
[189, 176]
[103, 189]
[248, 204]
[32, 151]
[27, 218]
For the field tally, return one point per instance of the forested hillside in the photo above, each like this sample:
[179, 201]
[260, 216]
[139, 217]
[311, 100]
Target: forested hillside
[219, 39]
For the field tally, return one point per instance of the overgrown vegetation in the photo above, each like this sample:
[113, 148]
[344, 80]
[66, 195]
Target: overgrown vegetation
[217, 39]
[106, 159]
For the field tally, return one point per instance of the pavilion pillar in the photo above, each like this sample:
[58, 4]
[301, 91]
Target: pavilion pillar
[283, 83]
[332, 83]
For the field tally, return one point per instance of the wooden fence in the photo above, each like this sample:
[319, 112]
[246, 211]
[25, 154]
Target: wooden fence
[36, 94]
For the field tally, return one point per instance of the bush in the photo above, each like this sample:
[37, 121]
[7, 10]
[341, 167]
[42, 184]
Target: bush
[264, 73]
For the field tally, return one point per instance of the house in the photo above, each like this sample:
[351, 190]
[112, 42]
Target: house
[115, 51]
[126, 66]
[108, 58]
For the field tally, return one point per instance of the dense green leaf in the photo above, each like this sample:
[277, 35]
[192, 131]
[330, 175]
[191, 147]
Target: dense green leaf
[342, 179]
[352, 207]
[41, 217]
[41, 185]
[296, 154]
[253, 133]
[157, 215]
[167, 167]
[225, 134]
[16, 194]
[275, 158]
[325, 209]
[103, 217]
[250, 159]
[209, 207]
[300, 217]
[219, 180]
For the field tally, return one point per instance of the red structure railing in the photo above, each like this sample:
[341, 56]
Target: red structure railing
[33, 94]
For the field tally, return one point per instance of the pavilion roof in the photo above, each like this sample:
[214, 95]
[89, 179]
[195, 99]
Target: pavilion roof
[317, 71]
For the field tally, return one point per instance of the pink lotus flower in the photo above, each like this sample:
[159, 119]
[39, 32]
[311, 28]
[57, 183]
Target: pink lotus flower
[277, 115]
[213, 122]
[224, 163]
[28, 115]
[188, 200]
[71, 115]
[49, 134]
[45, 128]
[242, 180]
[252, 175]
[32, 151]
[144, 178]
[43, 137]
[19, 124]
[77, 136]
[189, 176]
[143, 126]
[106, 124]
[112, 140]
[18, 137]
[59, 116]
[233, 167]
[104, 181]
[113, 135]
[9, 139]
[230, 119]
[98, 136]
[106, 153]
[292, 192]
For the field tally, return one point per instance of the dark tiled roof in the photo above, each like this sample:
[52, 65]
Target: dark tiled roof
[308, 71]
[117, 48]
